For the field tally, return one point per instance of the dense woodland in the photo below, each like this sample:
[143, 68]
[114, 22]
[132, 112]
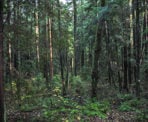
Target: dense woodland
[73, 60]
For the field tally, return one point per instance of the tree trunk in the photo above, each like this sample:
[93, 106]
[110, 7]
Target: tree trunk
[108, 53]
[82, 58]
[137, 47]
[95, 71]
[50, 48]
[125, 83]
[45, 54]
[75, 38]
[37, 34]
[145, 36]
[1, 64]
[130, 46]
[61, 51]
[8, 48]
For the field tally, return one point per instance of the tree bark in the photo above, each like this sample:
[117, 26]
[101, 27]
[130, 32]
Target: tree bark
[145, 36]
[1, 64]
[37, 34]
[125, 83]
[61, 51]
[50, 49]
[137, 44]
[95, 71]
[75, 38]
[108, 53]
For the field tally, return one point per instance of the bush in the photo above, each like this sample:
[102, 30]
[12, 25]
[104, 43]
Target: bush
[125, 106]
[96, 109]
[142, 115]
[124, 97]
[72, 111]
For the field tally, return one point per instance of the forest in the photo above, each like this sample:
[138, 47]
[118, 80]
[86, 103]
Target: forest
[73, 60]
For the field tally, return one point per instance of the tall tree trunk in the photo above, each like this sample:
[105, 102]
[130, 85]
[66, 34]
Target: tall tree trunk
[50, 48]
[125, 83]
[137, 47]
[37, 33]
[61, 51]
[75, 38]
[145, 35]
[82, 58]
[1, 64]
[8, 48]
[134, 39]
[67, 73]
[108, 53]
[16, 47]
[125, 55]
[82, 36]
[130, 46]
[45, 54]
[95, 71]
[118, 69]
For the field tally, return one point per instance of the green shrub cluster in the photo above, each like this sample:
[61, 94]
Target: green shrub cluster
[70, 111]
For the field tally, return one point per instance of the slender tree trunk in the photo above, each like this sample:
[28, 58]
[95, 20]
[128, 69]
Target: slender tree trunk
[146, 21]
[125, 83]
[145, 35]
[61, 51]
[45, 54]
[118, 69]
[37, 33]
[67, 73]
[82, 58]
[108, 54]
[75, 38]
[90, 57]
[82, 38]
[1, 64]
[125, 56]
[16, 47]
[134, 39]
[130, 46]
[50, 48]
[8, 48]
[95, 71]
[137, 47]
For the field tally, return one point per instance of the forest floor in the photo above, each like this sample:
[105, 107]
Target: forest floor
[122, 108]
[113, 116]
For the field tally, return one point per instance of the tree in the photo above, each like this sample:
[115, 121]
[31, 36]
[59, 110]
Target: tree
[95, 70]
[75, 38]
[50, 48]
[137, 50]
[1, 64]
[61, 50]
[37, 33]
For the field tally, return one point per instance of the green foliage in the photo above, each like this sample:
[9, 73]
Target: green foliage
[70, 110]
[96, 109]
[85, 73]
[56, 80]
[131, 105]
[65, 109]
[134, 102]
[76, 81]
[142, 115]
[27, 107]
[80, 84]
[37, 84]
[125, 106]
[124, 97]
